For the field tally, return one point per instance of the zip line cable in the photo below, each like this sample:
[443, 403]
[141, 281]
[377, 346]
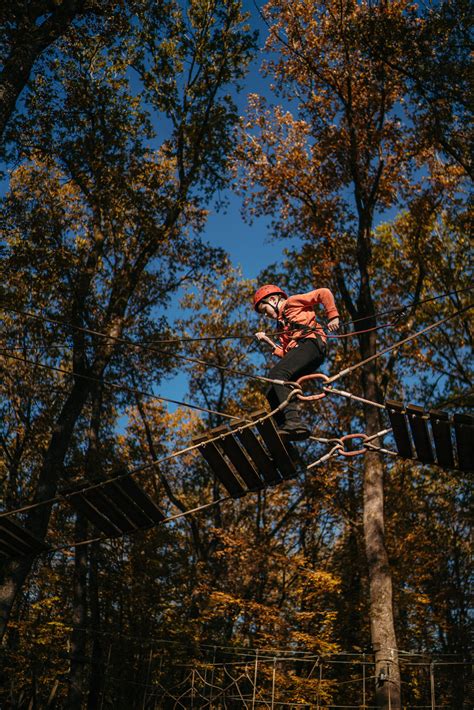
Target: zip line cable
[294, 392]
[91, 331]
[150, 348]
[147, 466]
[140, 346]
[114, 385]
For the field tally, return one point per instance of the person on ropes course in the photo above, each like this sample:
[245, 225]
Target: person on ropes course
[302, 346]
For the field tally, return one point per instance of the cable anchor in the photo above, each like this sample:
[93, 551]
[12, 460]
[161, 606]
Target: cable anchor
[350, 437]
[306, 378]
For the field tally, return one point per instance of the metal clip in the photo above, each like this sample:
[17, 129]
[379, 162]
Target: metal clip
[312, 397]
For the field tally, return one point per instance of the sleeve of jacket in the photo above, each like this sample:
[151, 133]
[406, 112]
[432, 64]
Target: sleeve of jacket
[321, 296]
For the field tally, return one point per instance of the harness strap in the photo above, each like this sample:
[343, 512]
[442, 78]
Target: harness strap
[297, 326]
[305, 330]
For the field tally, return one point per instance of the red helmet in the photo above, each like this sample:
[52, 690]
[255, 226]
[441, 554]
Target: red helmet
[264, 292]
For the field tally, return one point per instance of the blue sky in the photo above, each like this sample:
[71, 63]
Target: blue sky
[247, 245]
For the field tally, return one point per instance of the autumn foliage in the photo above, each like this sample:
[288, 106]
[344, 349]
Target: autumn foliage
[121, 135]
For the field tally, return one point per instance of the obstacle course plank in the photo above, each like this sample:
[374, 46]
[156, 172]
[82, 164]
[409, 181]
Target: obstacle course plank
[257, 453]
[275, 445]
[16, 541]
[133, 512]
[116, 507]
[464, 430]
[237, 457]
[214, 457]
[89, 511]
[441, 429]
[419, 429]
[398, 422]
[101, 502]
[142, 500]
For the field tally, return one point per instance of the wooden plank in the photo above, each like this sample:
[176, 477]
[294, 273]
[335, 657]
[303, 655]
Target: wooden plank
[141, 499]
[237, 457]
[275, 445]
[77, 501]
[421, 437]
[15, 542]
[114, 492]
[399, 428]
[214, 457]
[6, 551]
[98, 498]
[17, 532]
[464, 430]
[441, 429]
[10, 546]
[257, 453]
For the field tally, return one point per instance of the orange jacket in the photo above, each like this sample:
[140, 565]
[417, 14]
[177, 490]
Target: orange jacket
[300, 309]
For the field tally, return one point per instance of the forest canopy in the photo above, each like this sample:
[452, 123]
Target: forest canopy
[125, 126]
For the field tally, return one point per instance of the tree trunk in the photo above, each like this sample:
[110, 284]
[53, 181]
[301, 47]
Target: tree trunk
[382, 627]
[96, 676]
[14, 572]
[79, 620]
[384, 642]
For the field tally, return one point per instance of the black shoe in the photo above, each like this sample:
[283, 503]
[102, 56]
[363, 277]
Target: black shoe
[294, 431]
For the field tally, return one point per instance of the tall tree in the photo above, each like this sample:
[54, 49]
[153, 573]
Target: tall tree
[97, 221]
[27, 30]
[324, 175]
[429, 46]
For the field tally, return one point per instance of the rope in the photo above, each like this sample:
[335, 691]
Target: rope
[400, 343]
[146, 348]
[327, 380]
[349, 395]
[114, 385]
[146, 467]
[169, 341]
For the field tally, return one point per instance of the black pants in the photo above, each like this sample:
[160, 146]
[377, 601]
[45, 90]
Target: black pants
[304, 359]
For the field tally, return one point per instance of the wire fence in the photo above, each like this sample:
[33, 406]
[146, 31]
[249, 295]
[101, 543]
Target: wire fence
[134, 675]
